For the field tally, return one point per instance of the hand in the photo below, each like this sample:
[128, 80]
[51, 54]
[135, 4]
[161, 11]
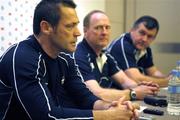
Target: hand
[125, 106]
[143, 90]
[168, 77]
[149, 84]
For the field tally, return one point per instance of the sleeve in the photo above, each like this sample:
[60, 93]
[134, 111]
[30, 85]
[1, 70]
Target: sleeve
[27, 74]
[85, 65]
[122, 51]
[112, 65]
[74, 83]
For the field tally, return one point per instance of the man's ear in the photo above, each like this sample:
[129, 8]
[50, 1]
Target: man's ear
[85, 29]
[46, 28]
[131, 29]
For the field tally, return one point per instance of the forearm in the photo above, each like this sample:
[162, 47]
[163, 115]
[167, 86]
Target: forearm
[101, 115]
[105, 93]
[124, 80]
[129, 84]
[101, 105]
[113, 94]
[158, 74]
[139, 77]
[162, 82]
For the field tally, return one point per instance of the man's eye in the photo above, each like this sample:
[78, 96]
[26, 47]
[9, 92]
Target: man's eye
[99, 27]
[151, 37]
[70, 26]
[142, 33]
[108, 27]
[103, 27]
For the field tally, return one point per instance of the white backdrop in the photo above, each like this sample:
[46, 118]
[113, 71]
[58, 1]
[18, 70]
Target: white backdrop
[16, 18]
[15, 21]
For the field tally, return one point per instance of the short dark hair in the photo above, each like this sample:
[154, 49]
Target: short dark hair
[48, 10]
[149, 22]
[87, 18]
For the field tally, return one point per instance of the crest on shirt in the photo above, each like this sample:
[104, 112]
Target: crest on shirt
[62, 80]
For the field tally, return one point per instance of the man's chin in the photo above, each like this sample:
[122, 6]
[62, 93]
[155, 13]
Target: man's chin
[68, 50]
[140, 48]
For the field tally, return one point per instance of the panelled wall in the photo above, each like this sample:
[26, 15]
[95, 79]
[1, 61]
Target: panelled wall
[85, 6]
[116, 11]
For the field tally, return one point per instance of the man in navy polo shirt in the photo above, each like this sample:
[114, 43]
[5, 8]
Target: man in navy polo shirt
[99, 69]
[133, 54]
[39, 81]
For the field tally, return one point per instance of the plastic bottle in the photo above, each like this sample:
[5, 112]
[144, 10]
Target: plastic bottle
[178, 65]
[173, 107]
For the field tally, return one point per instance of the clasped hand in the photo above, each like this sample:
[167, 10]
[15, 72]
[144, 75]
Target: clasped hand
[126, 110]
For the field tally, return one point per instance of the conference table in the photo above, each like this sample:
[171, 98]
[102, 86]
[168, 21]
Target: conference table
[165, 116]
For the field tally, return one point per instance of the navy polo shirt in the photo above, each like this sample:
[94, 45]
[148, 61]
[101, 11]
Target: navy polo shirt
[86, 59]
[123, 50]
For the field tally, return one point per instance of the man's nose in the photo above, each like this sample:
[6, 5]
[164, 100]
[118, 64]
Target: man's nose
[77, 32]
[145, 38]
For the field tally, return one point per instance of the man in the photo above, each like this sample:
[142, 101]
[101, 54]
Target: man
[38, 81]
[134, 55]
[99, 69]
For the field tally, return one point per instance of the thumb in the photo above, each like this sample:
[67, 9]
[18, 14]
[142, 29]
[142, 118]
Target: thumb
[136, 106]
[121, 100]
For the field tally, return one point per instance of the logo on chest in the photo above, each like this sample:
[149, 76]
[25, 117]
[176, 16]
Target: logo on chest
[62, 80]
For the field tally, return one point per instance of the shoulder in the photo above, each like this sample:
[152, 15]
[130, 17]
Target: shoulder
[84, 51]
[23, 58]
[82, 48]
[22, 52]
[123, 42]
[28, 51]
[149, 50]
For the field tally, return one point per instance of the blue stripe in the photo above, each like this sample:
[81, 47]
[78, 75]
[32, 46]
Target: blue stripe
[174, 89]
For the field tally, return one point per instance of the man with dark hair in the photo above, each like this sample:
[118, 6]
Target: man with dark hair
[39, 81]
[99, 69]
[133, 54]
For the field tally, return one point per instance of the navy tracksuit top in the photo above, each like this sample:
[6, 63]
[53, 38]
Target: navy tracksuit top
[35, 86]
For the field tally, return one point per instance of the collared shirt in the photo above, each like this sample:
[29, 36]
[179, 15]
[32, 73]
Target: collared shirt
[127, 56]
[93, 67]
[38, 87]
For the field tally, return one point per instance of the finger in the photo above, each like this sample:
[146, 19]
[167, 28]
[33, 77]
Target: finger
[129, 114]
[121, 100]
[136, 114]
[114, 103]
[147, 83]
[118, 103]
[153, 88]
[155, 92]
[129, 105]
[136, 106]
[156, 85]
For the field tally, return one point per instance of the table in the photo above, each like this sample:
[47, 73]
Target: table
[166, 116]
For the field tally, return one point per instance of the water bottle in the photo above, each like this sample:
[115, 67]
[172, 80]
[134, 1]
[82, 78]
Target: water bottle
[173, 98]
[178, 65]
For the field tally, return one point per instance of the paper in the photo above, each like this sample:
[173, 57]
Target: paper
[142, 108]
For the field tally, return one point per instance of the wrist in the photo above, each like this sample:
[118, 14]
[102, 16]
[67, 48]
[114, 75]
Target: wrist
[132, 95]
